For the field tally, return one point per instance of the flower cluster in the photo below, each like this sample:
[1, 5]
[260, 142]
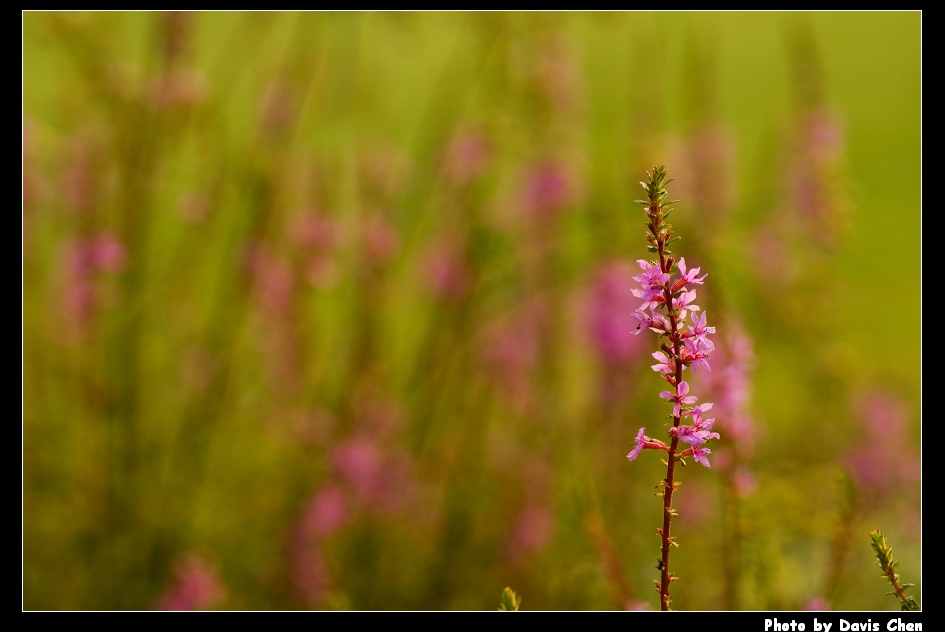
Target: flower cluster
[686, 345]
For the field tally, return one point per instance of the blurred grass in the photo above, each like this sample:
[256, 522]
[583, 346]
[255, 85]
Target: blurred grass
[166, 430]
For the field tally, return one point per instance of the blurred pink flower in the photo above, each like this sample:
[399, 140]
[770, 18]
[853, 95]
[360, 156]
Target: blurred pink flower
[178, 88]
[812, 177]
[311, 576]
[195, 586]
[695, 502]
[729, 385]
[316, 237]
[548, 188]
[466, 156]
[106, 253]
[79, 176]
[360, 462]
[381, 479]
[610, 315]
[532, 530]
[84, 262]
[277, 108]
[744, 482]
[194, 206]
[509, 352]
[310, 229]
[327, 512]
[274, 292]
[381, 241]
[273, 280]
[705, 170]
[884, 459]
[448, 275]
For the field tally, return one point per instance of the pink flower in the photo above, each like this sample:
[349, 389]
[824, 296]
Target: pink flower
[643, 442]
[687, 276]
[683, 302]
[196, 586]
[381, 240]
[548, 189]
[611, 314]
[448, 275]
[695, 352]
[679, 397]
[698, 454]
[360, 461]
[640, 443]
[380, 477]
[654, 321]
[273, 279]
[327, 512]
[107, 253]
[532, 530]
[699, 432]
[653, 282]
[699, 330]
[466, 157]
[695, 435]
[883, 459]
[665, 365]
[744, 482]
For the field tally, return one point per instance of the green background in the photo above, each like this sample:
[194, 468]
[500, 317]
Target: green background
[128, 463]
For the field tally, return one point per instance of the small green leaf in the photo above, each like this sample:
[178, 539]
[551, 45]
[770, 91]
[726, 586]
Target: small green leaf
[509, 601]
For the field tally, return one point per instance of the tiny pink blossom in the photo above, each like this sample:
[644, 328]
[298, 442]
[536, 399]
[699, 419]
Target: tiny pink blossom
[652, 281]
[683, 302]
[699, 329]
[654, 321]
[687, 277]
[696, 351]
[699, 455]
[679, 397]
[694, 435]
[665, 366]
[640, 441]
[644, 442]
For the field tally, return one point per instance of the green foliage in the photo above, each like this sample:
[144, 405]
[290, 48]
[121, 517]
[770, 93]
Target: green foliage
[884, 557]
[509, 600]
[245, 368]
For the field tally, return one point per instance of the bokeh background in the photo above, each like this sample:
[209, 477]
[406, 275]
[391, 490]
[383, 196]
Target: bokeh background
[332, 310]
